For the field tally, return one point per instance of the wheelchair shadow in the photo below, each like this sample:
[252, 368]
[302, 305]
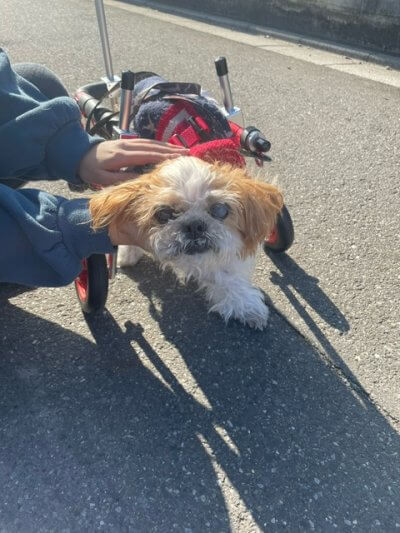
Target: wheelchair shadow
[112, 435]
[292, 276]
[293, 282]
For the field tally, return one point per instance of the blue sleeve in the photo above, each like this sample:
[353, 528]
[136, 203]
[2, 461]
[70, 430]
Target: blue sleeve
[43, 238]
[39, 138]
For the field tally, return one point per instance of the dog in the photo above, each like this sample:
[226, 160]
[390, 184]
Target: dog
[205, 220]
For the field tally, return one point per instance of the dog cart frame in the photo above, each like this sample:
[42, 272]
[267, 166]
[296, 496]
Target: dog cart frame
[114, 121]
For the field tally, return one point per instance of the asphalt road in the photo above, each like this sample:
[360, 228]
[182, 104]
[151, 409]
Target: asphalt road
[157, 417]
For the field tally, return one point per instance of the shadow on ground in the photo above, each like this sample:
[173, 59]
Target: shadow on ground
[91, 438]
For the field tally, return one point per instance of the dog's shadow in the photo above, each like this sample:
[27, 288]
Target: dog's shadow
[273, 396]
[196, 425]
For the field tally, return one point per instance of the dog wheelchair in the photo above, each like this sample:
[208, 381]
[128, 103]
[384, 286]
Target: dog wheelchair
[142, 104]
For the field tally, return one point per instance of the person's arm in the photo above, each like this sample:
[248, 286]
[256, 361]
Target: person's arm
[44, 237]
[39, 138]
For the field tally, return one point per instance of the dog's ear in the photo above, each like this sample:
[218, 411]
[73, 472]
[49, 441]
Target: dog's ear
[259, 205]
[118, 204]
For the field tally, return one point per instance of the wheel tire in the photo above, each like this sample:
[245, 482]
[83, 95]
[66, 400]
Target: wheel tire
[92, 284]
[282, 237]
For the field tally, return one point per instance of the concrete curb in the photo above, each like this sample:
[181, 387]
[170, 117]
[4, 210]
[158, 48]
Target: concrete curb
[371, 26]
[389, 60]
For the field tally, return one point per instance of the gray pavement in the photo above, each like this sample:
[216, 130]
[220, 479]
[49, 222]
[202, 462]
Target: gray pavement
[157, 417]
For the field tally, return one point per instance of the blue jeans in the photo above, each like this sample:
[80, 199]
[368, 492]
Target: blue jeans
[43, 78]
[47, 83]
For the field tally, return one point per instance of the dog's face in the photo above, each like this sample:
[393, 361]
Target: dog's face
[187, 210]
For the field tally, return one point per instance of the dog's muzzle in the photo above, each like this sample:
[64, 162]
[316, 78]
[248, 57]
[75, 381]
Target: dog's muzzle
[199, 246]
[195, 238]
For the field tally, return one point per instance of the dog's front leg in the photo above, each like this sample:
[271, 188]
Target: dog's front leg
[129, 255]
[232, 295]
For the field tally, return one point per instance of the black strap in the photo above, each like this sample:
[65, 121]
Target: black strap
[166, 87]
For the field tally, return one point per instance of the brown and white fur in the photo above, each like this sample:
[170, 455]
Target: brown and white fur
[205, 221]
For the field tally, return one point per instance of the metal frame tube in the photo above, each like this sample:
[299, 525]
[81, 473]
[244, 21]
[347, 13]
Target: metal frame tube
[113, 270]
[226, 89]
[125, 109]
[101, 20]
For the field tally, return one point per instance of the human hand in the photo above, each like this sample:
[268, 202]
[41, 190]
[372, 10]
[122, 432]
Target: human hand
[103, 163]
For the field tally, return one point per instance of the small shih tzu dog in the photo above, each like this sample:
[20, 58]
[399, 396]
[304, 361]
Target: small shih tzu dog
[205, 220]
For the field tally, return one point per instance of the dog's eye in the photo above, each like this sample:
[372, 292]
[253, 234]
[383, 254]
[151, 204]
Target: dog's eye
[164, 214]
[220, 211]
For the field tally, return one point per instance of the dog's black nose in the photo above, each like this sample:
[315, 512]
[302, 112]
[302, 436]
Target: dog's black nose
[195, 229]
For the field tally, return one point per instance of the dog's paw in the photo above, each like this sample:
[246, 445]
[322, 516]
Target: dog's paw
[256, 318]
[251, 311]
[129, 255]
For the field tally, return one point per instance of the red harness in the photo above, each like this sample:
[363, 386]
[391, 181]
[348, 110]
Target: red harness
[183, 126]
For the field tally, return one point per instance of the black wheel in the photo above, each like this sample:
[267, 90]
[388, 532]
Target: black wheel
[92, 284]
[281, 239]
[14, 183]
